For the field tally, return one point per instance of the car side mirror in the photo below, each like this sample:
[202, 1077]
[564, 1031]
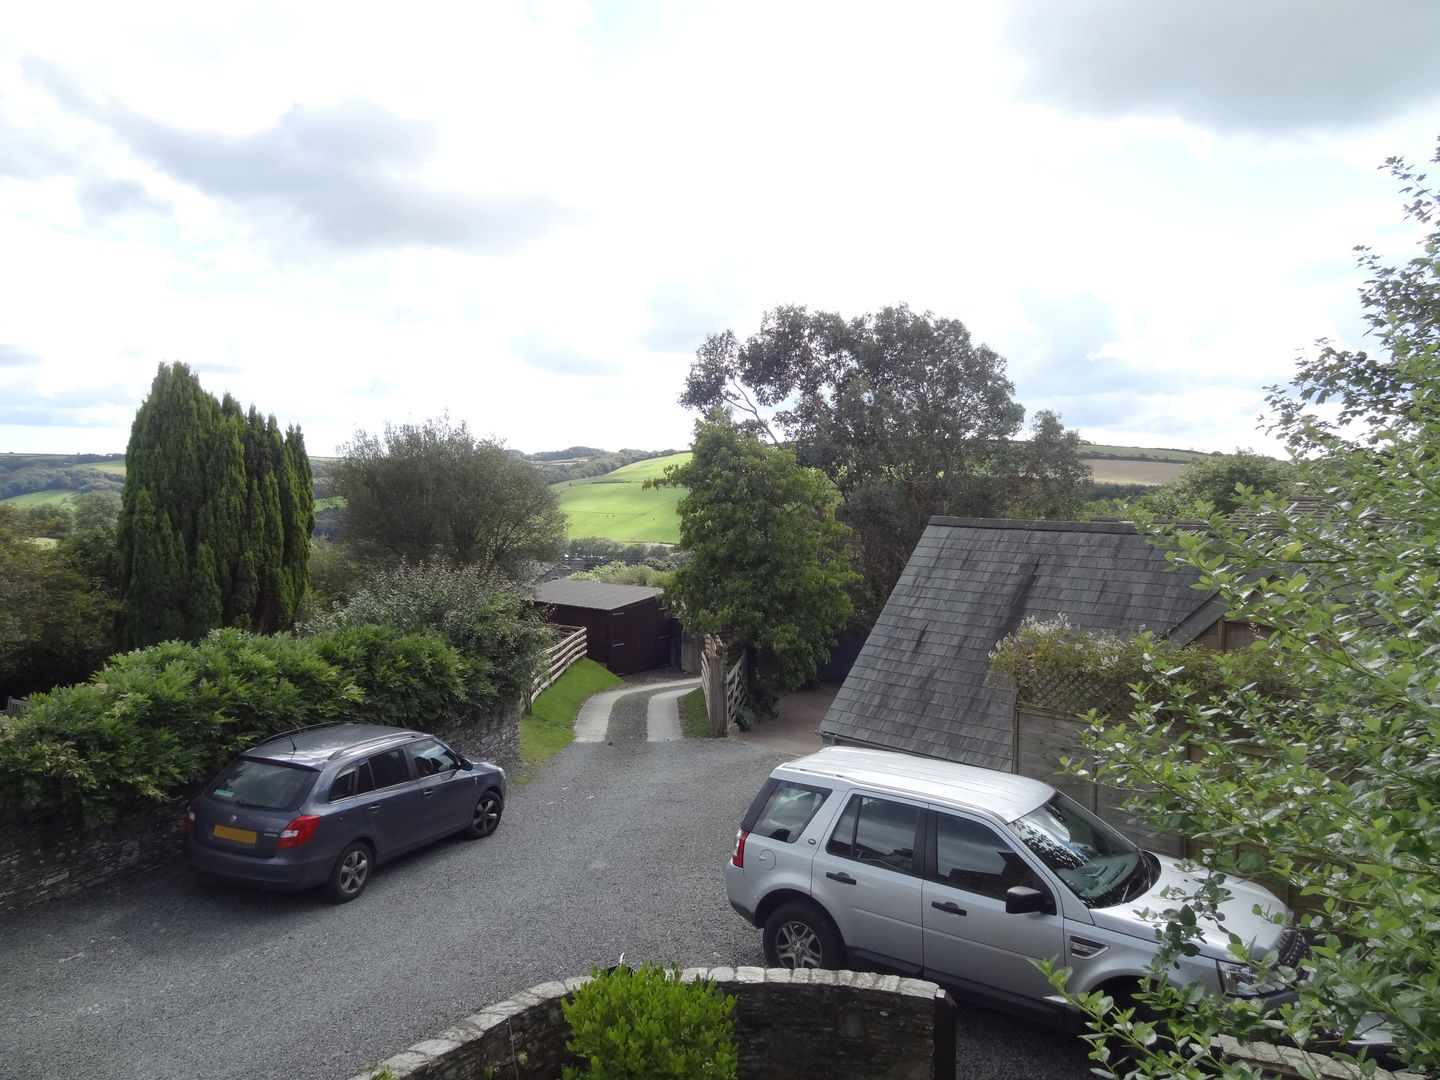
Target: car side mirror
[466, 764]
[1021, 899]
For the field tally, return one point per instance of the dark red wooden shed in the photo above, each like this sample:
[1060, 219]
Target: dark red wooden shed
[625, 627]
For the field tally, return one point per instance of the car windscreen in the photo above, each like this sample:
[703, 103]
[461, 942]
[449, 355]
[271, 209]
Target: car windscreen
[1089, 856]
[262, 785]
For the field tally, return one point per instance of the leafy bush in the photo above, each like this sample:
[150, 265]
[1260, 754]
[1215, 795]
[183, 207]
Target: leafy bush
[646, 1024]
[156, 720]
[495, 630]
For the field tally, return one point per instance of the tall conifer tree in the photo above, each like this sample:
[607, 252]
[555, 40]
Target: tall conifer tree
[215, 519]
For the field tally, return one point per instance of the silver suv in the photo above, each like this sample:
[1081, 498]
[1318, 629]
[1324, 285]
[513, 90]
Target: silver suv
[967, 876]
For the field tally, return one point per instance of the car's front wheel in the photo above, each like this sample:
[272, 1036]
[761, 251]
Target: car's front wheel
[485, 817]
[351, 873]
[798, 935]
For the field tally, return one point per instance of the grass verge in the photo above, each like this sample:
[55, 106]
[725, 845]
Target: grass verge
[550, 725]
[694, 721]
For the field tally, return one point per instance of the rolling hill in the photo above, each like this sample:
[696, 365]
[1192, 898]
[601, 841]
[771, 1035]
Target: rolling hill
[618, 508]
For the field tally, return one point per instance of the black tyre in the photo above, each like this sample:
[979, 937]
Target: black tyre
[798, 935]
[485, 818]
[351, 873]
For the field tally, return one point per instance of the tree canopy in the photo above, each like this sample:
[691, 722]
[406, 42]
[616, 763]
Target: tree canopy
[428, 491]
[1331, 792]
[215, 517]
[905, 414]
[1219, 484]
[767, 569]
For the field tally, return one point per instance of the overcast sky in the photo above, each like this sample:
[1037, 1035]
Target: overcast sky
[531, 215]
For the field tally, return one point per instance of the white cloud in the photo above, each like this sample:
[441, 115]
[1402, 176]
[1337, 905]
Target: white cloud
[531, 215]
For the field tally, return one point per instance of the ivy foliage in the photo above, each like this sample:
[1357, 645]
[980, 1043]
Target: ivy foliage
[645, 1024]
[767, 569]
[1060, 666]
[1336, 792]
[156, 720]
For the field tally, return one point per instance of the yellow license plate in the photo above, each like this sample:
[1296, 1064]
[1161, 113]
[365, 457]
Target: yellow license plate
[225, 832]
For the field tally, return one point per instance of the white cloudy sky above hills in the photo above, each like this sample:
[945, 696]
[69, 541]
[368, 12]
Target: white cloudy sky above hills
[530, 215]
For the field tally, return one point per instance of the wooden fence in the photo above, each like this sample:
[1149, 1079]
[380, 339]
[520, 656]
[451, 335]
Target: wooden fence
[726, 689]
[557, 659]
[16, 706]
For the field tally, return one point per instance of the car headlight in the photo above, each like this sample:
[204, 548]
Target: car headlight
[1242, 980]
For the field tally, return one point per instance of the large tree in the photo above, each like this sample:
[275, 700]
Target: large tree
[904, 412]
[766, 569]
[435, 491]
[55, 616]
[1334, 793]
[215, 518]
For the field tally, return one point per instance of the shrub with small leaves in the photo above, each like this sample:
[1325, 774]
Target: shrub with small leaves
[645, 1024]
[153, 721]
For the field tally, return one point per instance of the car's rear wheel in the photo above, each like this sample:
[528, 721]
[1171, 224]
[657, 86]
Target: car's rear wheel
[351, 873]
[798, 935]
[485, 817]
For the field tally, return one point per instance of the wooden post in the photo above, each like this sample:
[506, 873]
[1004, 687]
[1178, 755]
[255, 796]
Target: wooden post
[944, 1036]
[716, 703]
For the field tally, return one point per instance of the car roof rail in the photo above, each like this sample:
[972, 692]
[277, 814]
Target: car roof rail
[365, 743]
[296, 731]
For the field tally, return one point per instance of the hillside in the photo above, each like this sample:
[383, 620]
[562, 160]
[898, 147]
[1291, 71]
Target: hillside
[616, 507]
[611, 504]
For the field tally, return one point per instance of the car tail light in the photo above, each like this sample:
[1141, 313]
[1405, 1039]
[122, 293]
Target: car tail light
[190, 817]
[738, 858]
[298, 832]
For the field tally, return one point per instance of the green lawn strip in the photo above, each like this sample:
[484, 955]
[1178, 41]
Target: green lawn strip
[550, 725]
[694, 721]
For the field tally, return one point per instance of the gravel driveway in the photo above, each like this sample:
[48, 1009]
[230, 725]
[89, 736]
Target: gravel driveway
[616, 847]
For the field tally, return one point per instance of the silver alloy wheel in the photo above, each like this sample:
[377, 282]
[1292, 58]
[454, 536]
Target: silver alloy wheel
[353, 871]
[487, 815]
[797, 945]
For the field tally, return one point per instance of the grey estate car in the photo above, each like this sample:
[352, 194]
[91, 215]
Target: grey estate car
[323, 805]
[966, 876]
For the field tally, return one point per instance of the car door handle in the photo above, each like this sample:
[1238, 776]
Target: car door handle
[373, 806]
[947, 906]
[842, 877]
[426, 794]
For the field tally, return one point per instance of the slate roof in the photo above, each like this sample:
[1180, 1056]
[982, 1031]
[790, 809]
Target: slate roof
[919, 683]
[599, 595]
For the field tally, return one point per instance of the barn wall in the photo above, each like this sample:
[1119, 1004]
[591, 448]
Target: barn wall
[630, 639]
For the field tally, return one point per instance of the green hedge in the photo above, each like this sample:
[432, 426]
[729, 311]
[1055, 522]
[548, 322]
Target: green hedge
[158, 719]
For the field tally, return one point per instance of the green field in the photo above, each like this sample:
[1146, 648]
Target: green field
[1142, 453]
[41, 498]
[616, 507]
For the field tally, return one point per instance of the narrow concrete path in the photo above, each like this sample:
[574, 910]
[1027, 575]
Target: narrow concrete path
[662, 716]
[592, 725]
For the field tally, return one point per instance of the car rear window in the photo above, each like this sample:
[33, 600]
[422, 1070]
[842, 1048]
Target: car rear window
[788, 811]
[262, 785]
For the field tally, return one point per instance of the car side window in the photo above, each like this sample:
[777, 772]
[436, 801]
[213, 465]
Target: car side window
[431, 758]
[389, 768]
[972, 856]
[876, 831]
[788, 811]
[353, 781]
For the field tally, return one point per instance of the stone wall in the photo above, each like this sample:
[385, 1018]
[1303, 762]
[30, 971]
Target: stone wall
[52, 857]
[490, 738]
[801, 1025]
[1287, 1063]
[47, 858]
